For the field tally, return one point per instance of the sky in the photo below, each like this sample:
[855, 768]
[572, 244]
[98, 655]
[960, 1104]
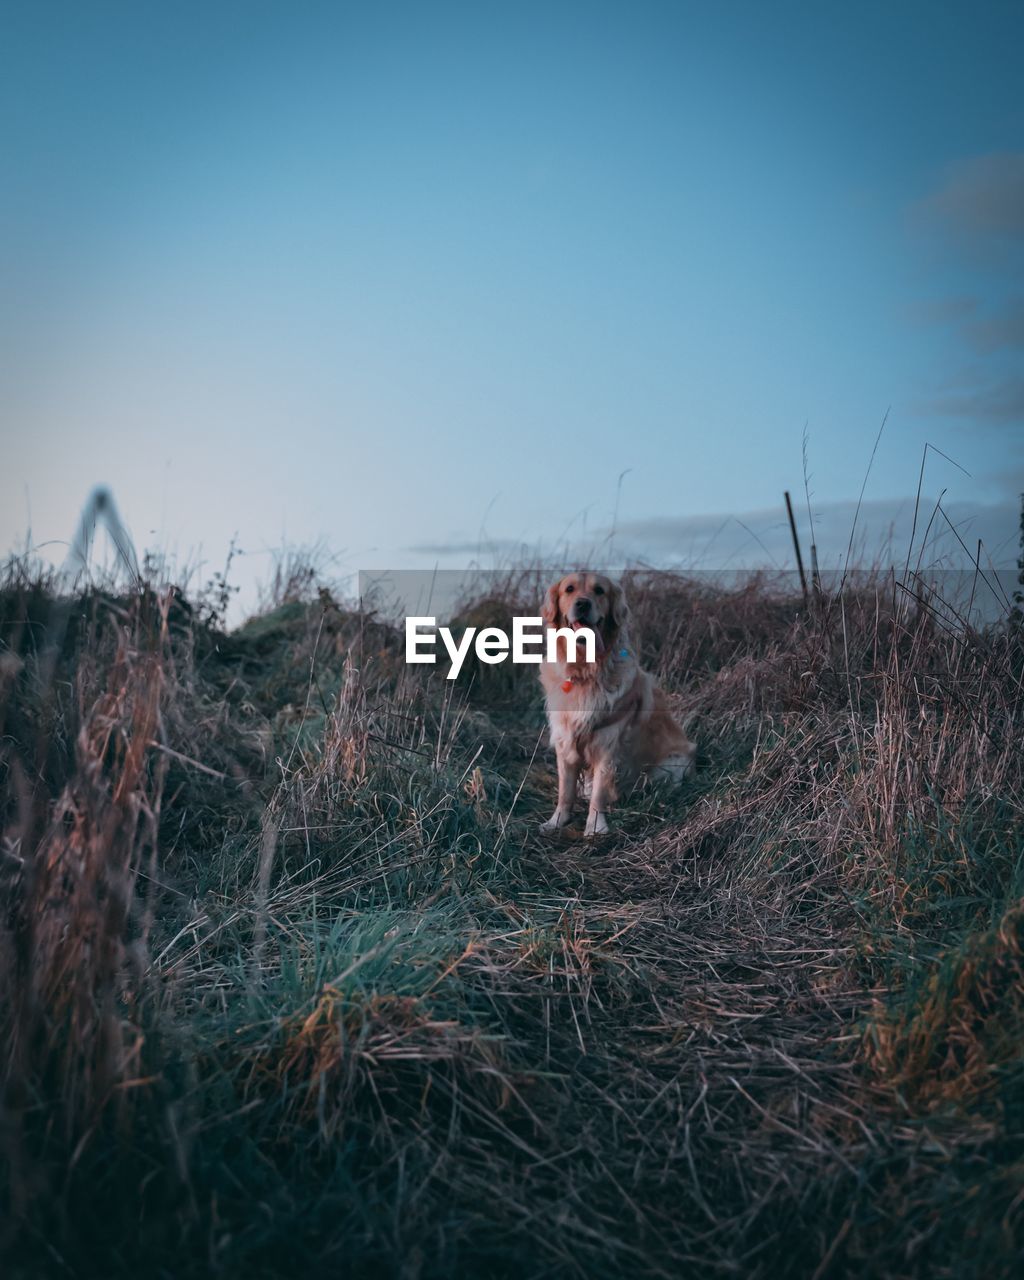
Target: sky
[457, 282]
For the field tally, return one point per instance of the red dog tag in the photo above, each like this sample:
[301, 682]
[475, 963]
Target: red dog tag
[567, 686]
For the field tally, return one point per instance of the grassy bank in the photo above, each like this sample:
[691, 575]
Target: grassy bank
[292, 984]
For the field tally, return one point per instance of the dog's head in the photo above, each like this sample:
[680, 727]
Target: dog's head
[586, 599]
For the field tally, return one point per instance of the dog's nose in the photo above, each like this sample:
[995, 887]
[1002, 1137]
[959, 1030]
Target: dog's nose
[582, 606]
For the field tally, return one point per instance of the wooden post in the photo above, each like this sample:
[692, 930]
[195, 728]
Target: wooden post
[796, 548]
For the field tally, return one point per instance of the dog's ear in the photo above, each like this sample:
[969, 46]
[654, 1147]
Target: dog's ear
[550, 610]
[618, 613]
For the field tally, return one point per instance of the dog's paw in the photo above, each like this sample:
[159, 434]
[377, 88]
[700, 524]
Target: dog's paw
[556, 822]
[597, 825]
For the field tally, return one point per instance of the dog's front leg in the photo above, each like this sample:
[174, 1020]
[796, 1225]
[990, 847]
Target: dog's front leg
[568, 776]
[602, 793]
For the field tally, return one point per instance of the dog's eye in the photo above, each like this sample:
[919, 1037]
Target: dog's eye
[599, 591]
[569, 589]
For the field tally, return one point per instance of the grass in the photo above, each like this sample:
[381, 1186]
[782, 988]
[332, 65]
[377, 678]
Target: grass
[292, 984]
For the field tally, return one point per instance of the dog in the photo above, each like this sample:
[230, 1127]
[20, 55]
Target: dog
[609, 716]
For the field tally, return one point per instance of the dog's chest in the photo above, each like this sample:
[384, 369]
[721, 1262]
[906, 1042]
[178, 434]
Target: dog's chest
[577, 713]
[578, 708]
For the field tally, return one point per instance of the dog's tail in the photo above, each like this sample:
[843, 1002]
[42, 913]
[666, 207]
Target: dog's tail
[674, 768]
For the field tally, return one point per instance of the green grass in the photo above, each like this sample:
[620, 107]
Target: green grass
[293, 985]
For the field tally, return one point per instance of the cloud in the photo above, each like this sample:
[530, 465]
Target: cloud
[983, 197]
[1002, 328]
[477, 547]
[980, 206]
[984, 329]
[883, 533]
[999, 402]
[951, 310]
[761, 539]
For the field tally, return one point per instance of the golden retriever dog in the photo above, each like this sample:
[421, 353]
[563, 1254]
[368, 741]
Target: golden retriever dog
[607, 717]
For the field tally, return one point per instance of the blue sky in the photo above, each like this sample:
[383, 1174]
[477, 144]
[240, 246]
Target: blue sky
[424, 280]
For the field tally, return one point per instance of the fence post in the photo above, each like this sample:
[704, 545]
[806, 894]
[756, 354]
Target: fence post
[796, 548]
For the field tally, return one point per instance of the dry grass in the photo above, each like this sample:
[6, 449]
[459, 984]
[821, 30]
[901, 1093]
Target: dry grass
[293, 986]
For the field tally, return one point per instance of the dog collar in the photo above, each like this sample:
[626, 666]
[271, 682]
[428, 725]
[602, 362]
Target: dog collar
[567, 685]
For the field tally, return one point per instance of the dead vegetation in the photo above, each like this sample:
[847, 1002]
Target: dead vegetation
[292, 986]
